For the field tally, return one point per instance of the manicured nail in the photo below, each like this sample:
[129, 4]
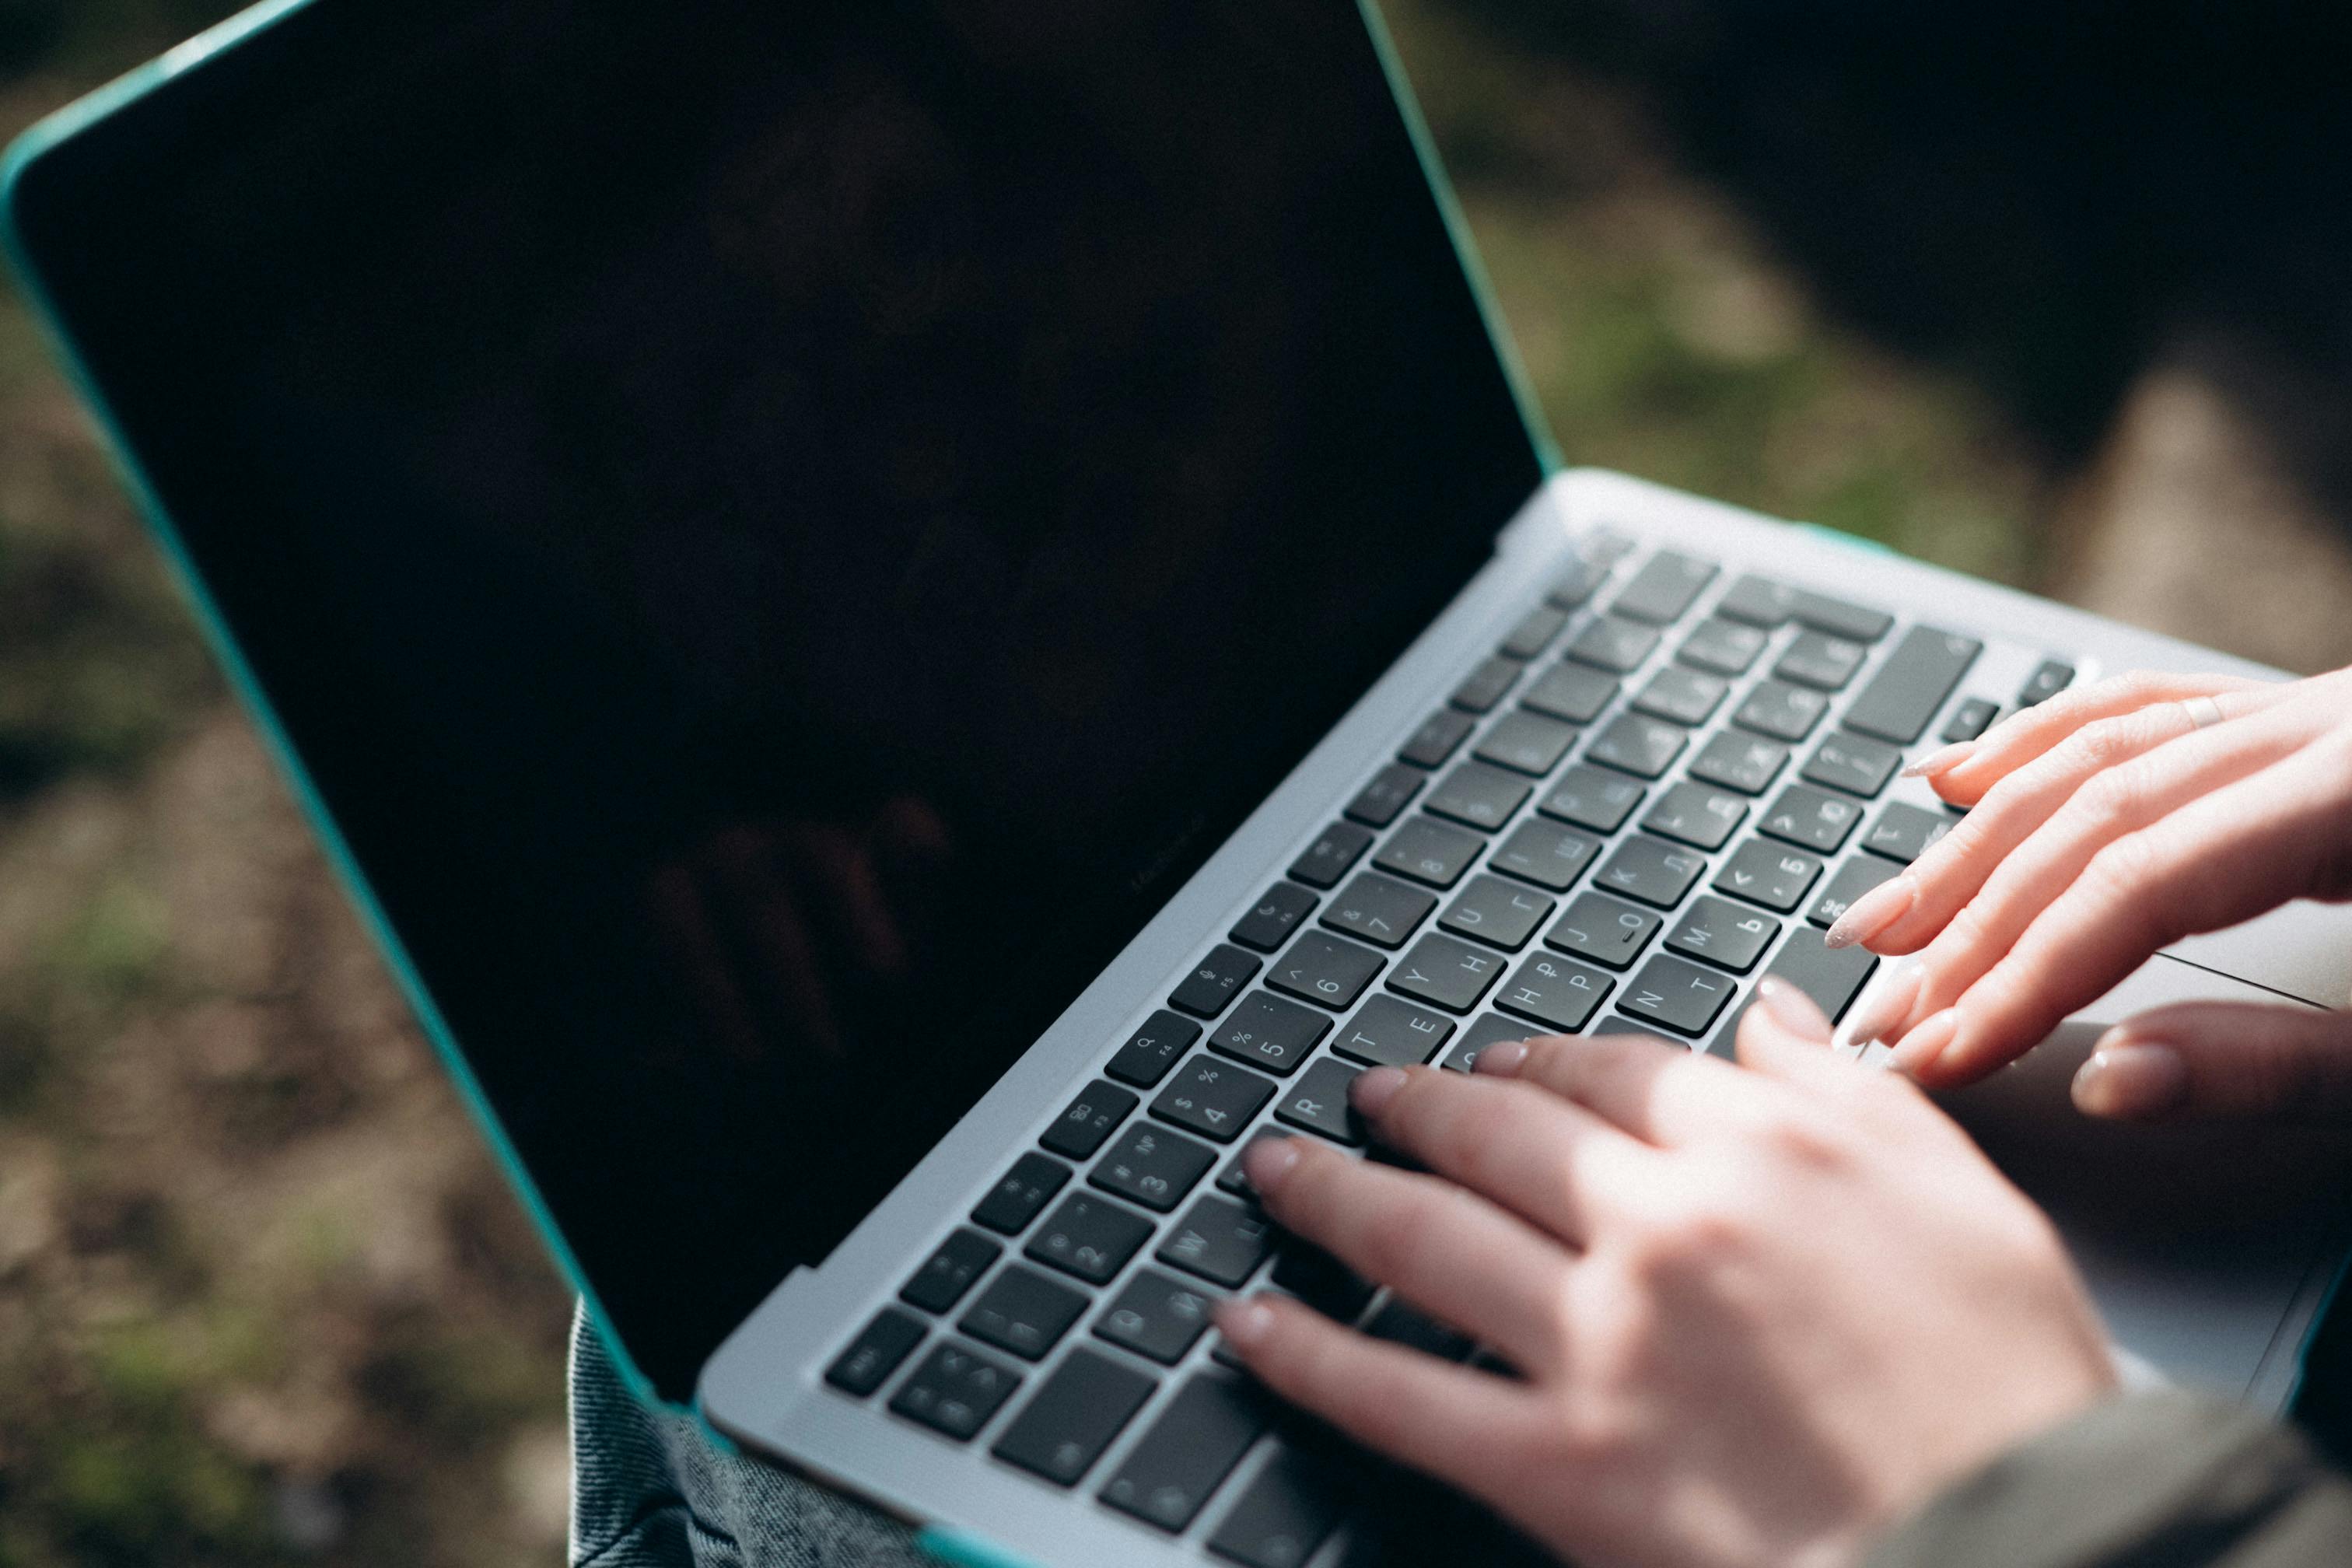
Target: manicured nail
[1268, 1161]
[1887, 1004]
[1245, 1322]
[1873, 912]
[1793, 1009]
[1372, 1090]
[1926, 1040]
[1942, 761]
[2131, 1080]
[1502, 1059]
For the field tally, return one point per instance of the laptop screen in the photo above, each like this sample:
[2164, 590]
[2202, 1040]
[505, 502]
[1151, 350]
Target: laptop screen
[782, 533]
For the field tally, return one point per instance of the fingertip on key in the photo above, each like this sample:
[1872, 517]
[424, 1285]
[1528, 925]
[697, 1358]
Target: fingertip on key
[1372, 1090]
[1502, 1059]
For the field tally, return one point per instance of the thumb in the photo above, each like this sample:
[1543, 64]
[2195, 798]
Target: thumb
[2221, 1058]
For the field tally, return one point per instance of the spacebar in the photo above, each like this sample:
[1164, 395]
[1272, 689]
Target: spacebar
[1912, 684]
[1830, 976]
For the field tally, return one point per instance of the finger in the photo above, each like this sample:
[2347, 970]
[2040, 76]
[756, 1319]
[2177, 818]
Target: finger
[1786, 1035]
[2111, 775]
[1533, 1153]
[2224, 858]
[2221, 1058]
[1963, 773]
[1661, 1092]
[1457, 1425]
[1441, 1246]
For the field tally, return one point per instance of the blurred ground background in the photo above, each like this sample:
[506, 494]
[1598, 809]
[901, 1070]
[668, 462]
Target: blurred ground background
[2036, 293]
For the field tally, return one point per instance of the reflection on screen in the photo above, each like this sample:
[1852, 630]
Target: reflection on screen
[784, 533]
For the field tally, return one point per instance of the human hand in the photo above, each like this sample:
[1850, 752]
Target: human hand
[2105, 825]
[1761, 1316]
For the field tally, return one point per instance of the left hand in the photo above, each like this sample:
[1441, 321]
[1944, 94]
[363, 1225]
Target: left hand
[1761, 1315]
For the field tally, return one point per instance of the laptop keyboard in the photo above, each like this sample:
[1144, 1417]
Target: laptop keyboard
[1660, 785]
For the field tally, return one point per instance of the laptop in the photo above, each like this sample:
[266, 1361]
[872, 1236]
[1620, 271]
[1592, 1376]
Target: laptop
[913, 621]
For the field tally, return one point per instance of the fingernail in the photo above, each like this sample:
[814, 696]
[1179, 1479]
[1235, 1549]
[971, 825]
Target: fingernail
[1871, 913]
[1502, 1059]
[1371, 1091]
[1941, 761]
[1268, 1161]
[1925, 1042]
[1886, 1004]
[1793, 1009]
[1245, 1322]
[2131, 1080]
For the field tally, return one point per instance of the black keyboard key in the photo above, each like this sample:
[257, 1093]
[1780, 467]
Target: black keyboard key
[1663, 587]
[1334, 849]
[955, 1390]
[1389, 1031]
[1153, 1166]
[875, 1353]
[1022, 1195]
[1534, 633]
[1157, 1315]
[1759, 602]
[1724, 934]
[1724, 647]
[1490, 909]
[1267, 1032]
[1484, 797]
[1431, 851]
[1213, 1098]
[1439, 735]
[1024, 1312]
[1454, 974]
[1220, 1240]
[1613, 645]
[1234, 1178]
[1528, 742]
[1821, 661]
[1557, 993]
[1593, 797]
[1748, 763]
[1320, 1280]
[2050, 678]
[1269, 924]
[1073, 1418]
[1209, 988]
[1093, 1116]
[1572, 691]
[1485, 686]
[1152, 1049]
[1199, 1436]
[1856, 877]
[1319, 1102]
[1089, 1237]
[1911, 686]
[1486, 1029]
[1784, 711]
[1380, 910]
[1324, 969]
[1696, 815]
[1545, 854]
[1830, 977]
[1574, 586]
[1904, 832]
[1769, 874]
[1854, 763]
[1285, 1514]
[1603, 930]
[1969, 719]
[1655, 873]
[1416, 1329]
[949, 1272]
[1685, 696]
[1812, 819]
[1637, 745]
[1682, 997]
[1391, 791]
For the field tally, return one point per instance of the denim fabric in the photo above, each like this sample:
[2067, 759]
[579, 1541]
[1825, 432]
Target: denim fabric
[649, 1490]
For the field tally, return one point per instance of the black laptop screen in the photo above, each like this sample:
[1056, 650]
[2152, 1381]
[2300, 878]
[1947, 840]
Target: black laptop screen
[782, 533]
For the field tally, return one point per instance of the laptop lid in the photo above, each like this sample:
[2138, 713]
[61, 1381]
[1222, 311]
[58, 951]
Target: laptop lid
[775, 536]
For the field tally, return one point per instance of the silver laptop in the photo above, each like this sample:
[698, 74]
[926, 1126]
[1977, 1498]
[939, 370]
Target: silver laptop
[914, 621]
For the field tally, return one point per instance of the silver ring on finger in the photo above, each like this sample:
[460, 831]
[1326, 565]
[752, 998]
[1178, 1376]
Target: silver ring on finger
[2203, 712]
